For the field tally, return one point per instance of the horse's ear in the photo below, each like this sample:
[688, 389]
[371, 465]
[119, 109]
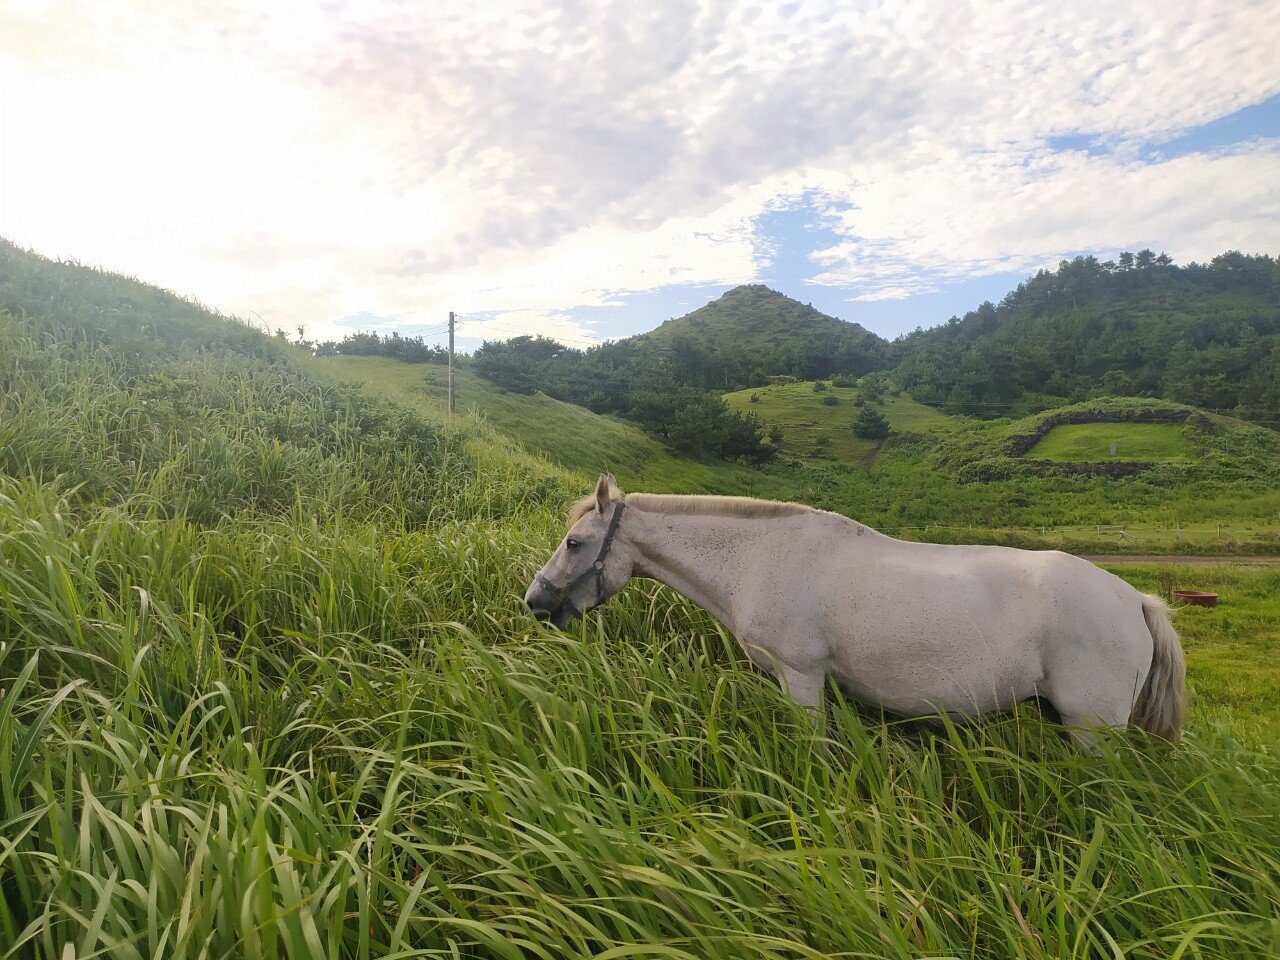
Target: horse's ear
[606, 491]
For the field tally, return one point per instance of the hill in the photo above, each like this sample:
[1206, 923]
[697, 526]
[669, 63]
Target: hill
[752, 331]
[270, 690]
[1204, 334]
[669, 380]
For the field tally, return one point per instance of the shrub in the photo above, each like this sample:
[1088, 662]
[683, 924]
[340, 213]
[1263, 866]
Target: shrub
[871, 424]
[819, 386]
[830, 400]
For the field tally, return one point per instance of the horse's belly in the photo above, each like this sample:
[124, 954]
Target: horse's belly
[951, 674]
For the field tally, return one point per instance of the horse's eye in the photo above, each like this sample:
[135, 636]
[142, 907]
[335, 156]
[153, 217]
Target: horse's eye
[573, 544]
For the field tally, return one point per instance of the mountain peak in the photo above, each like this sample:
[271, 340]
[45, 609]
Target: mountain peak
[755, 311]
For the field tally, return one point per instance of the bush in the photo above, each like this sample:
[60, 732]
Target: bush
[819, 386]
[871, 424]
[830, 400]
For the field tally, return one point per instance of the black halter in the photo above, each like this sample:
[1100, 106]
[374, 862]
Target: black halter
[563, 595]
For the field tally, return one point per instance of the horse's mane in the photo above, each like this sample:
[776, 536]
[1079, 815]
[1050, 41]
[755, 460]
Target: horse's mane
[688, 505]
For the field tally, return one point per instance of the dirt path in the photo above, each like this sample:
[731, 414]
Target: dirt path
[1194, 561]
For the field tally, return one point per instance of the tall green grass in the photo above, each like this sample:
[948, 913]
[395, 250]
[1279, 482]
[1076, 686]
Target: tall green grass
[268, 690]
[302, 738]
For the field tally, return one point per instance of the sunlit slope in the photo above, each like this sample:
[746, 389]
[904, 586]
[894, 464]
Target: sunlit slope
[568, 435]
[813, 428]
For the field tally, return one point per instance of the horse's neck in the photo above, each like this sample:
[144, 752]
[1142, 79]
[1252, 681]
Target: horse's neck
[702, 557]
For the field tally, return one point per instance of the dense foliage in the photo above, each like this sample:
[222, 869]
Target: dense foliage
[368, 344]
[752, 333]
[1203, 334]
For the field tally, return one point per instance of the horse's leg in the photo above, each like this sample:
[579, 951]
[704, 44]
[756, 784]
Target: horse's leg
[1086, 709]
[805, 688]
[1093, 685]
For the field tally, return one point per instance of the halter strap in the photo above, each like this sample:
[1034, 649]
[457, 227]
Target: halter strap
[563, 594]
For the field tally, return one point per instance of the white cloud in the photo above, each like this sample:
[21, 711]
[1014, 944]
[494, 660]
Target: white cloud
[989, 213]
[515, 323]
[305, 162]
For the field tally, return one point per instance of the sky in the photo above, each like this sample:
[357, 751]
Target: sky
[588, 170]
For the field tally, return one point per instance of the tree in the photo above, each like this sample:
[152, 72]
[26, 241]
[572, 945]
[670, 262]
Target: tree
[518, 364]
[870, 424]
[873, 387]
[1116, 383]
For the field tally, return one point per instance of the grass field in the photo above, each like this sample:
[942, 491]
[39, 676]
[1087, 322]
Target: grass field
[269, 690]
[815, 430]
[1233, 649]
[1092, 442]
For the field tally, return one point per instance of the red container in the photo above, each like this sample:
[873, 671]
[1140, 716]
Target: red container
[1196, 598]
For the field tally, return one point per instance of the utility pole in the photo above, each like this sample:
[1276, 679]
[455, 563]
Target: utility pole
[450, 363]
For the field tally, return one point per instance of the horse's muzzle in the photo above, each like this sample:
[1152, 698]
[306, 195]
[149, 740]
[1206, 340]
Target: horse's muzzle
[549, 607]
[541, 600]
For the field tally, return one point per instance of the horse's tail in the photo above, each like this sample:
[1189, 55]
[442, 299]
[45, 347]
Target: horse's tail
[1162, 702]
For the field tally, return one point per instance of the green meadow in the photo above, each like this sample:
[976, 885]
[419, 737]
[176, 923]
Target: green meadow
[1093, 442]
[269, 690]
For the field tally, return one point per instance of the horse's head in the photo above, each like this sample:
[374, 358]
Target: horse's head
[585, 570]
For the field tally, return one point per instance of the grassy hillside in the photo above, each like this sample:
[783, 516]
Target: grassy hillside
[269, 690]
[567, 435]
[815, 429]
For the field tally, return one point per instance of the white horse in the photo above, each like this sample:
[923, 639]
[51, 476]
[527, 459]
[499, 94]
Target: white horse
[916, 628]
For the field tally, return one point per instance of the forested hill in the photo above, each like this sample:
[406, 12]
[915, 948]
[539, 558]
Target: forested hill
[1203, 334]
[752, 332]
